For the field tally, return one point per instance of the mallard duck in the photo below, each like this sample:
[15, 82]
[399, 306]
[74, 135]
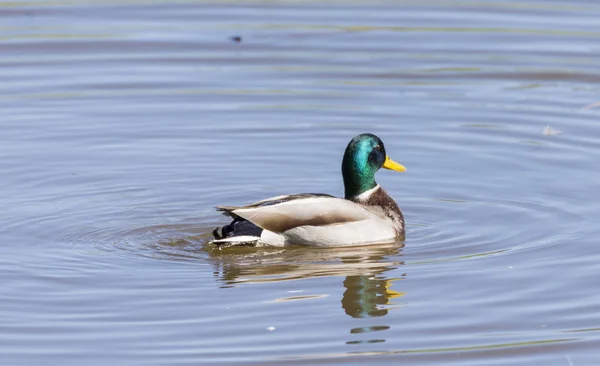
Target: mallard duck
[367, 214]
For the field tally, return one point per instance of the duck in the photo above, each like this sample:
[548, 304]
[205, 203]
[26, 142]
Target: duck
[366, 215]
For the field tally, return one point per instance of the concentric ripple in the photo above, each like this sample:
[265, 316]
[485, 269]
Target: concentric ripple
[457, 230]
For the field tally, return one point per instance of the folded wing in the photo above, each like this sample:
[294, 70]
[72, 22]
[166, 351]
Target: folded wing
[283, 213]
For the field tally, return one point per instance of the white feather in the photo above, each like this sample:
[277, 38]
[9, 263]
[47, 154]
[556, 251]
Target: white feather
[367, 194]
[352, 233]
[270, 238]
[237, 239]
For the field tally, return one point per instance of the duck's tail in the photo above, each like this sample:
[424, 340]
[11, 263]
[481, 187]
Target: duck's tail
[239, 232]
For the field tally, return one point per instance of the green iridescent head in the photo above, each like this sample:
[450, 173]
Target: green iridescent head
[364, 156]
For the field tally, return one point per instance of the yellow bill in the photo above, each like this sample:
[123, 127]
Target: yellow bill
[392, 165]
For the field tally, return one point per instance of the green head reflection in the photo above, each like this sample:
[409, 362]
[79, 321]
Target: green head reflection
[368, 296]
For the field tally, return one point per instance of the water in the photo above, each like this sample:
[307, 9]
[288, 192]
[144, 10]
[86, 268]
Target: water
[124, 124]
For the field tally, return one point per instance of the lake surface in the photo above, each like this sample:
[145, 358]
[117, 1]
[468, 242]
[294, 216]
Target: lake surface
[124, 124]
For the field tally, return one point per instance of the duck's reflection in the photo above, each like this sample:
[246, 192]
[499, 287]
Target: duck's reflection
[367, 296]
[367, 292]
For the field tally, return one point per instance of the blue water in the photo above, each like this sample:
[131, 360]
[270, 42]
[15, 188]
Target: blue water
[123, 125]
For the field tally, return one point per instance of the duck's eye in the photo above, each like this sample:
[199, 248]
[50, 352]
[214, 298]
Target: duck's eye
[377, 147]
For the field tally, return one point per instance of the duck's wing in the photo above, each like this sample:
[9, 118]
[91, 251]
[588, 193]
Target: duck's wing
[228, 210]
[284, 213]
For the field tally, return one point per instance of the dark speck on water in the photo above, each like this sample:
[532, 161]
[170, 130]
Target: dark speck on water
[124, 123]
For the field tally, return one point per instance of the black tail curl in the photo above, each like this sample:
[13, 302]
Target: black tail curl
[237, 227]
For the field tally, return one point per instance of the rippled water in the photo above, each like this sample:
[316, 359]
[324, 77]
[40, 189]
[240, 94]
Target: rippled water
[123, 125]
